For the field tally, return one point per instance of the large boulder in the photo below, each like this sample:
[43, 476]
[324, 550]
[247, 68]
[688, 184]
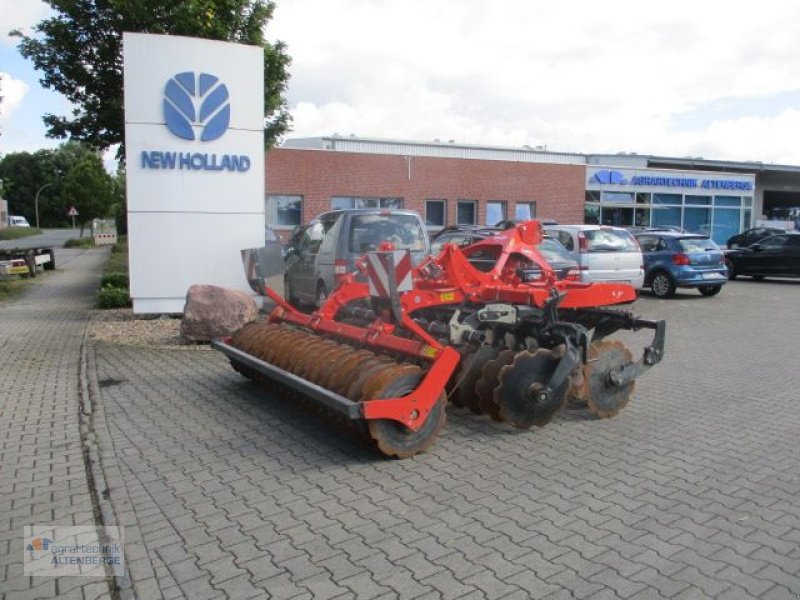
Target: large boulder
[212, 312]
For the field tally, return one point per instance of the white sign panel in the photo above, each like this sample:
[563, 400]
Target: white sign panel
[194, 145]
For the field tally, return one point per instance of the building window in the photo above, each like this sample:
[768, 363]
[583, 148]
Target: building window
[284, 211]
[592, 196]
[339, 202]
[495, 212]
[524, 211]
[465, 213]
[435, 213]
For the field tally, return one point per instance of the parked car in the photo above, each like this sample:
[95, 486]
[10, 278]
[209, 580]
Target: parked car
[18, 222]
[603, 253]
[751, 236]
[674, 260]
[551, 250]
[775, 256]
[329, 247]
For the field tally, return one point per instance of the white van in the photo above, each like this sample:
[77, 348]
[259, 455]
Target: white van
[603, 253]
[18, 222]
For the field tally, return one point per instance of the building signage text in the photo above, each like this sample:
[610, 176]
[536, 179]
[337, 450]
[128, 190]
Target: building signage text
[618, 178]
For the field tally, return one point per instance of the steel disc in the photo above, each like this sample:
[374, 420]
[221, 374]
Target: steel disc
[470, 374]
[489, 380]
[453, 396]
[521, 394]
[603, 398]
[395, 439]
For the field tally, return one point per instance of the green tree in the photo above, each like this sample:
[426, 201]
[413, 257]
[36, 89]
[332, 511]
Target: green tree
[79, 50]
[89, 188]
[25, 173]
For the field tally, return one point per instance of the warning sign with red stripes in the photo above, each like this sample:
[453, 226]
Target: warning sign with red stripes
[383, 265]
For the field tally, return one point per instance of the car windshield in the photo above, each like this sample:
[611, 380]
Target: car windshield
[609, 240]
[367, 232]
[697, 245]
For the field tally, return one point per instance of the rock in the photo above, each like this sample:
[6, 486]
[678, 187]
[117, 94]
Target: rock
[211, 312]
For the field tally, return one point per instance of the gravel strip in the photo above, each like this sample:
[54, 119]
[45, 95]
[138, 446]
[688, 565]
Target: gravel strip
[121, 326]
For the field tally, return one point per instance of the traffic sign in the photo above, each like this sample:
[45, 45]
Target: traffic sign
[72, 212]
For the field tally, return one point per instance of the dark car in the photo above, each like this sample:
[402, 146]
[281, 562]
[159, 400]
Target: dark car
[328, 248]
[551, 250]
[775, 256]
[751, 236]
[673, 260]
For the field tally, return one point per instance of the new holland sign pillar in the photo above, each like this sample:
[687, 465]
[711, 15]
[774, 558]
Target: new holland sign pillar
[194, 143]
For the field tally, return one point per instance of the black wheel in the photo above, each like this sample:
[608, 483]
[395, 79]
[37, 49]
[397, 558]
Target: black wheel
[731, 271]
[287, 292]
[662, 284]
[710, 290]
[322, 294]
[394, 439]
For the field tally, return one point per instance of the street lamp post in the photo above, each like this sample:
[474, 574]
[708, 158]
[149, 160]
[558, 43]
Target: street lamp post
[36, 201]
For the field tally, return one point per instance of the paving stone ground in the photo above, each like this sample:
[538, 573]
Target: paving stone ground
[43, 477]
[692, 492]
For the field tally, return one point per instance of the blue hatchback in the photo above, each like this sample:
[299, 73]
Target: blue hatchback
[673, 260]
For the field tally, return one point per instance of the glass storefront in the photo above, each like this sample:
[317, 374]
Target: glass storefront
[710, 205]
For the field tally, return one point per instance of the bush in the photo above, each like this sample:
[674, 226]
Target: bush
[117, 280]
[113, 297]
[85, 242]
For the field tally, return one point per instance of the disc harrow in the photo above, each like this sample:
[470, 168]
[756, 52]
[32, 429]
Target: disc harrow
[511, 342]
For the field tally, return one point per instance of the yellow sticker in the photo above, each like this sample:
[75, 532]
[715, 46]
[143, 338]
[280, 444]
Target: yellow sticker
[447, 296]
[430, 352]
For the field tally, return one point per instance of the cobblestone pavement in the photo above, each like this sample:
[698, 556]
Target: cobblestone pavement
[43, 479]
[692, 492]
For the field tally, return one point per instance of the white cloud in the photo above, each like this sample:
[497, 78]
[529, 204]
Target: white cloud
[22, 15]
[592, 77]
[13, 92]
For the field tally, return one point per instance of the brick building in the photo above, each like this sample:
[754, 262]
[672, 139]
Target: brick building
[445, 183]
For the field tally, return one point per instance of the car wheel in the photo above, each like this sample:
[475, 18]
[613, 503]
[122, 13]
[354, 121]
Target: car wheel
[287, 292]
[322, 294]
[731, 271]
[662, 285]
[710, 290]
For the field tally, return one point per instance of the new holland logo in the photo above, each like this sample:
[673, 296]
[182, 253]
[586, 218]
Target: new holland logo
[197, 104]
[609, 177]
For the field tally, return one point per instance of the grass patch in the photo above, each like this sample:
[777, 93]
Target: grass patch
[114, 289]
[12, 286]
[14, 233]
[85, 242]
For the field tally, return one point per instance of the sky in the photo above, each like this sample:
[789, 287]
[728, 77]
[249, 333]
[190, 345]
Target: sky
[700, 78]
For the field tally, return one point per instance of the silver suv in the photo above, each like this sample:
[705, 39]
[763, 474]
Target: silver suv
[329, 247]
[603, 253]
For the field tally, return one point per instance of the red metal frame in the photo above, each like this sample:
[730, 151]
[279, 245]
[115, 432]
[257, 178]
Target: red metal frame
[447, 279]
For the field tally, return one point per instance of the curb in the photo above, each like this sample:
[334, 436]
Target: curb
[102, 470]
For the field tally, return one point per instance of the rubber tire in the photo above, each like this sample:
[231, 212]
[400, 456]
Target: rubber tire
[662, 285]
[709, 290]
[287, 293]
[731, 271]
[322, 295]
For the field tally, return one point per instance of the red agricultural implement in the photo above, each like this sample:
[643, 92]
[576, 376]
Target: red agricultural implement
[488, 327]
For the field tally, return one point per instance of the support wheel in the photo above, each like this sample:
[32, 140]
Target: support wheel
[662, 284]
[605, 399]
[710, 290]
[522, 395]
[396, 440]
